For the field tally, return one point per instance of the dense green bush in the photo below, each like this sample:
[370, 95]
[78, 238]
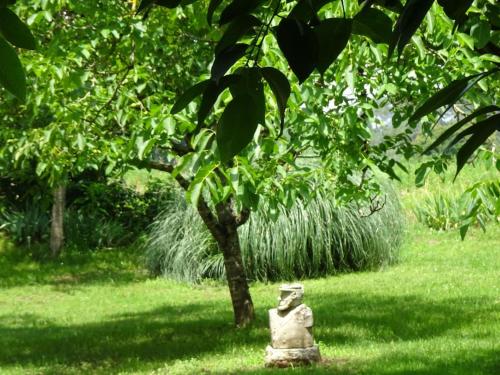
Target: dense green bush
[25, 226]
[98, 213]
[305, 241]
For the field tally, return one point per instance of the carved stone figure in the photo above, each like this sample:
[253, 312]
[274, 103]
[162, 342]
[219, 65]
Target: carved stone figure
[291, 325]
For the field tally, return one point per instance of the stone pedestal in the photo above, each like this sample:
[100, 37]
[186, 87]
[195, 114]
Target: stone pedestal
[291, 357]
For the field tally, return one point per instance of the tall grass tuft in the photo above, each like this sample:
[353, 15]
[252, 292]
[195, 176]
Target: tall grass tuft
[308, 240]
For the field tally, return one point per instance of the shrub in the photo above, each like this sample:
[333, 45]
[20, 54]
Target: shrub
[26, 226]
[479, 204]
[310, 240]
[98, 214]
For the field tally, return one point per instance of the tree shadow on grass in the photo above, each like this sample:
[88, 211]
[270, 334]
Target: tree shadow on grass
[350, 318]
[152, 338]
[118, 266]
[162, 335]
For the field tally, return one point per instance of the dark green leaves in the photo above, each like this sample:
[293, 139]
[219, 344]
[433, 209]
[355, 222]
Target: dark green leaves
[453, 129]
[210, 95]
[236, 29]
[306, 10]
[408, 22]
[455, 9]
[237, 8]
[11, 71]
[15, 31]
[242, 115]
[307, 48]
[226, 59]
[333, 35]
[189, 96]
[480, 133]
[280, 87]
[374, 24]
[210, 91]
[449, 95]
[298, 43]
[237, 126]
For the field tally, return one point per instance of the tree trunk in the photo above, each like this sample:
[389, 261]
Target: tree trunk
[224, 229]
[57, 221]
[236, 277]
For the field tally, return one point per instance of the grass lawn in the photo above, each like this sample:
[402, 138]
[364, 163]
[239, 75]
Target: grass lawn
[437, 312]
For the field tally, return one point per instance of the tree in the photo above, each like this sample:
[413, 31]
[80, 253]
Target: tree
[311, 35]
[81, 111]
[237, 151]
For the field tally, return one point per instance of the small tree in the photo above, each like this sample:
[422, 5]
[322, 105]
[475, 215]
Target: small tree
[311, 35]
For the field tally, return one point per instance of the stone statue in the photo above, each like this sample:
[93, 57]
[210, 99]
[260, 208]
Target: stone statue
[291, 325]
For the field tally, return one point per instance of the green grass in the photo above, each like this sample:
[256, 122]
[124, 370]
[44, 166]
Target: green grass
[437, 312]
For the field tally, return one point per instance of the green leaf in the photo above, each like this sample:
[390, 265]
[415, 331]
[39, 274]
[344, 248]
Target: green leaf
[374, 24]
[481, 33]
[281, 89]
[189, 96]
[15, 30]
[11, 71]
[422, 172]
[481, 132]
[458, 125]
[226, 59]
[211, 93]
[306, 10]
[299, 44]
[333, 35]
[143, 146]
[250, 83]
[194, 190]
[463, 231]
[408, 22]
[237, 8]
[237, 126]
[236, 29]
[448, 95]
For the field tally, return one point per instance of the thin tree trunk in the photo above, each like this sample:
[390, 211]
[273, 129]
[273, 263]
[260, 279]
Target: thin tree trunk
[57, 221]
[225, 232]
[236, 277]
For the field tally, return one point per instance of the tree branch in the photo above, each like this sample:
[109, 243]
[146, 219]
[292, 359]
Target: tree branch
[210, 220]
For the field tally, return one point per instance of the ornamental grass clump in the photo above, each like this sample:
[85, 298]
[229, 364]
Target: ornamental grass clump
[311, 239]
